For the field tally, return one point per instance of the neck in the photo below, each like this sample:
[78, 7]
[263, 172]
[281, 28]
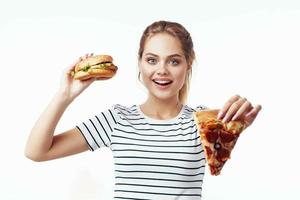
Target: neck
[161, 109]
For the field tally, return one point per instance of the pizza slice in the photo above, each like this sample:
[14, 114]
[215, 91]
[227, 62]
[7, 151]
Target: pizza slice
[218, 138]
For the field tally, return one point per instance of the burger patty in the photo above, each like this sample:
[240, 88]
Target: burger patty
[107, 65]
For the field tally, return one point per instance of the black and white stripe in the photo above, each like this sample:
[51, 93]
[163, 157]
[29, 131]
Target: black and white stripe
[154, 159]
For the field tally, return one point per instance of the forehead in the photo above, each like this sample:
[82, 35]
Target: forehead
[163, 44]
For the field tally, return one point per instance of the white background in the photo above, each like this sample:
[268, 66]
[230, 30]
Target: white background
[249, 48]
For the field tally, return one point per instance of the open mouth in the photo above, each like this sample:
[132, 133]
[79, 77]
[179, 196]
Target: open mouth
[162, 82]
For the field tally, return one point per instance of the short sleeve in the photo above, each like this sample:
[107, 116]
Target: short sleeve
[98, 129]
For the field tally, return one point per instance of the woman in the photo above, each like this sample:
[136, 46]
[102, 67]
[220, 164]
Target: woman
[157, 151]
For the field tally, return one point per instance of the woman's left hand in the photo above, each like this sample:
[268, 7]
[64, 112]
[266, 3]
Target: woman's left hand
[239, 108]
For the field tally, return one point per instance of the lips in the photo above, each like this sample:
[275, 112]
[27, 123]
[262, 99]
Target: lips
[162, 82]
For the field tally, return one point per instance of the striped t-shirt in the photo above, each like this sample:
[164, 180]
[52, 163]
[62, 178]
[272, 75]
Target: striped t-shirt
[153, 159]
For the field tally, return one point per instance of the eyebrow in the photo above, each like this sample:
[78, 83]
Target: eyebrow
[173, 55]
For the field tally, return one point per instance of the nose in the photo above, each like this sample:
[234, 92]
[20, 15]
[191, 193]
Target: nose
[162, 69]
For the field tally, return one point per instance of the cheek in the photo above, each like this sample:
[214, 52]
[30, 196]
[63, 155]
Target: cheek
[180, 77]
[145, 76]
[146, 72]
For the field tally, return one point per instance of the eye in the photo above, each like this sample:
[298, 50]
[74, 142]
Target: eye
[151, 61]
[174, 62]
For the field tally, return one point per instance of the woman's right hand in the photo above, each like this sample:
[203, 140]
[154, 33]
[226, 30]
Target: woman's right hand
[71, 88]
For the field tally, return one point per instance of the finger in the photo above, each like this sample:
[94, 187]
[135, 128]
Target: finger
[246, 107]
[253, 113]
[233, 109]
[88, 82]
[71, 67]
[227, 105]
[83, 57]
[250, 117]
[102, 78]
[75, 62]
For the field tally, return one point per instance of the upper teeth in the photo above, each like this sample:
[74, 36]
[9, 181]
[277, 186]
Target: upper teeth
[162, 82]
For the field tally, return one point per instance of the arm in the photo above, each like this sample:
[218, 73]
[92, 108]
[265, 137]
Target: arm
[42, 145]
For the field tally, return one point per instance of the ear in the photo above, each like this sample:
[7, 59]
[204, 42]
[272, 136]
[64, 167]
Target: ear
[139, 70]
[140, 63]
[189, 67]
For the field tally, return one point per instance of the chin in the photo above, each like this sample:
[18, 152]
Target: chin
[164, 96]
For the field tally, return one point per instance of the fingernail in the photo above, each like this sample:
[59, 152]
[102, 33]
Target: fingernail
[234, 118]
[259, 107]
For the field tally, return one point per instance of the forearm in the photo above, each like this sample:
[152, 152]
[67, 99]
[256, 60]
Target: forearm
[41, 136]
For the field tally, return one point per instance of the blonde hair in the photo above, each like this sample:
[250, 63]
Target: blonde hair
[178, 31]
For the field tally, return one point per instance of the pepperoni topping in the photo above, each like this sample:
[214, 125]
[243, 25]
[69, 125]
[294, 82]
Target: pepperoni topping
[208, 152]
[212, 136]
[222, 155]
[227, 137]
[212, 125]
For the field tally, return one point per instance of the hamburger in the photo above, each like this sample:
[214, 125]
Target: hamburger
[98, 66]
